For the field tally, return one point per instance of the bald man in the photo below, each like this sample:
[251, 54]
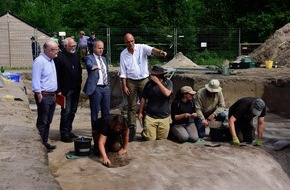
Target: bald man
[134, 74]
[44, 86]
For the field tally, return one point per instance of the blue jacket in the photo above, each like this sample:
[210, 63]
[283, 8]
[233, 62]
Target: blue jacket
[93, 75]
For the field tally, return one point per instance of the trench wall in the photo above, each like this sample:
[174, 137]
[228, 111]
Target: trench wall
[275, 91]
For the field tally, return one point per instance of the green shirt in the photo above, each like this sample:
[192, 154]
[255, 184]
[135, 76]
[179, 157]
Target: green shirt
[207, 105]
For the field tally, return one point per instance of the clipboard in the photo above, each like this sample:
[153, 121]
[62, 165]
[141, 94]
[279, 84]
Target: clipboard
[61, 100]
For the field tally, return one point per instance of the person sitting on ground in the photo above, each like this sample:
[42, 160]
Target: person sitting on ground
[210, 106]
[156, 95]
[113, 136]
[241, 115]
[183, 113]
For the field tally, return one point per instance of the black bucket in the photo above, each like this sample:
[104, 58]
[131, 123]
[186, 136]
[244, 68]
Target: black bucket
[82, 146]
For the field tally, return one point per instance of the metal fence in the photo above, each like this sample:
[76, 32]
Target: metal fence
[190, 41]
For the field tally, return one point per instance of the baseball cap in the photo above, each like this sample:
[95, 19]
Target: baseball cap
[258, 106]
[187, 89]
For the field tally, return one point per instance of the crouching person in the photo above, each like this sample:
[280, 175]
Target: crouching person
[183, 114]
[113, 136]
[241, 115]
[156, 95]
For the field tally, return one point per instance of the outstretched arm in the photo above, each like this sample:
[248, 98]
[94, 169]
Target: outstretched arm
[102, 142]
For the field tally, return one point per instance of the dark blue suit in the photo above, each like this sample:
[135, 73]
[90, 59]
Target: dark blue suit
[99, 95]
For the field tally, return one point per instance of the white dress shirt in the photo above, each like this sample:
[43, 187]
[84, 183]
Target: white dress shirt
[135, 66]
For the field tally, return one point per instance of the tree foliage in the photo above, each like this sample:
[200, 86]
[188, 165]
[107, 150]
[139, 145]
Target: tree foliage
[257, 19]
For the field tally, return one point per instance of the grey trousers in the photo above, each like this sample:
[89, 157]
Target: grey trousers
[184, 133]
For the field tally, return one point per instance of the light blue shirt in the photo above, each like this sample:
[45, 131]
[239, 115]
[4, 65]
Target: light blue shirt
[135, 66]
[44, 74]
[83, 42]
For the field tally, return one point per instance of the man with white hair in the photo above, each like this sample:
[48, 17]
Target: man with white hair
[210, 106]
[69, 77]
[241, 115]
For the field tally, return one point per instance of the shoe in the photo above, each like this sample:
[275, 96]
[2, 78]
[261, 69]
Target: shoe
[66, 139]
[71, 135]
[49, 146]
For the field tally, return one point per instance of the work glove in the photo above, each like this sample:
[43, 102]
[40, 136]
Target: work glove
[258, 142]
[236, 141]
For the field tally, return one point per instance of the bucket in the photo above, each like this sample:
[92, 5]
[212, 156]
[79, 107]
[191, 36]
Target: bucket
[82, 146]
[13, 77]
[269, 64]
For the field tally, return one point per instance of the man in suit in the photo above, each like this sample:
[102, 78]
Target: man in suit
[69, 77]
[97, 86]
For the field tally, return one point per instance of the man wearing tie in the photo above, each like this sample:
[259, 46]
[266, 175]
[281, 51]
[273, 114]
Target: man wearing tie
[97, 86]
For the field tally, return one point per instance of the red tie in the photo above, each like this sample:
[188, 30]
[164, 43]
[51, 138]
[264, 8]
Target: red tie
[103, 70]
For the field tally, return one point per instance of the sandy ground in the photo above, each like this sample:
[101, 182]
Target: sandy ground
[169, 165]
[148, 165]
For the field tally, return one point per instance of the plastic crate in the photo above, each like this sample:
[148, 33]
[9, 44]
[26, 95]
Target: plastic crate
[246, 65]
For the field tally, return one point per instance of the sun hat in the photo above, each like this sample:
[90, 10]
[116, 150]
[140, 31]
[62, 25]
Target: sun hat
[187, 89]
[157, 70]
[258, 106]
[82, 32]
[213, 86]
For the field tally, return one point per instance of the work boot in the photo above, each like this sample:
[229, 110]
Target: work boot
[96, 135]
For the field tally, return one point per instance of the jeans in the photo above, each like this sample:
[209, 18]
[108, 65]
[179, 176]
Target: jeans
[68, 114]
[45, 112]
[201, 129]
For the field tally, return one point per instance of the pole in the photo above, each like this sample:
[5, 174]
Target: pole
[9, 41]
[175, 41]
[240, 51]
[109, 45]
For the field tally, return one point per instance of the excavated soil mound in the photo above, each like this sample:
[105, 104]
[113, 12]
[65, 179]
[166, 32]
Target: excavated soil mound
[276, 48]
[180, 61]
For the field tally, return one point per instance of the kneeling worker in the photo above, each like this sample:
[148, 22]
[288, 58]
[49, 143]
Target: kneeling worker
[113, 136]
[241, 115]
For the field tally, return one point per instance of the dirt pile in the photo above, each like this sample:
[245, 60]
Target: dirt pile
[276, 48]
[180, 61]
